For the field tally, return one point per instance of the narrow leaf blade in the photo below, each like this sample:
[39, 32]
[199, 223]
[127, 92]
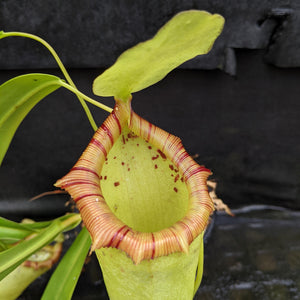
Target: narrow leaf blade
[11, 231]
[188, 34]
[63, 281]
[12, 257]
[17, 97]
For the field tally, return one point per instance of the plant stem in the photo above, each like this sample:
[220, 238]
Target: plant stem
[60, 64]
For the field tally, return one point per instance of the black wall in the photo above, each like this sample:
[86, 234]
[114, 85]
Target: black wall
[92, 34]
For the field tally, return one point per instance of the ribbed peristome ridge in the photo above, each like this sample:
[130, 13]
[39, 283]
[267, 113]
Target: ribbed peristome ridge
[83, 184]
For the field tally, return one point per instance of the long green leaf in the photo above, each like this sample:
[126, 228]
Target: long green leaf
[12, 257]
[12, 232]
[65, 277]
[17, 97]
[188, 34]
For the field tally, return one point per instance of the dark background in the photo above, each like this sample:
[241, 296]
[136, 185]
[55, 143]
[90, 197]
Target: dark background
[237, 107]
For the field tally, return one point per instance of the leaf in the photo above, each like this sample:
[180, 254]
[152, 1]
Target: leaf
[12, 232]
[17, 97]
[12, 257]
[12, 286]
[188, 34]
[64, 279]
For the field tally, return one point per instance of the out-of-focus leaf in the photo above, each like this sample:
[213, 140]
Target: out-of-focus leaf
[12, 286]
[17, 97]
[65, 277]
[11, 232]
[14, 256]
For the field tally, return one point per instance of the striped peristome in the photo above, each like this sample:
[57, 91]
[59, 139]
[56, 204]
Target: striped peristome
[106, 230]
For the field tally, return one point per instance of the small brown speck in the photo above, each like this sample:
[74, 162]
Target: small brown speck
[105, 177]
[163, 156]
[155, 166]
[149, 147]
[116, 183]
[175, 189]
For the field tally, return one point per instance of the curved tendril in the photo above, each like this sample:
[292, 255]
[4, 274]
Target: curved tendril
[85, 97]
[79, 95]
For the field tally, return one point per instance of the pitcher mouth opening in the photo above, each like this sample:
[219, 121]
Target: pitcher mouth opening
[141, 186]
[86, 183]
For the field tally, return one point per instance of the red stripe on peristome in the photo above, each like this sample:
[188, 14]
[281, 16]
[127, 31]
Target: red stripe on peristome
[84, 159]
[78, 182]
[174, 234]
[187, 228]
[84, 169]
[86, 195]
[122, 237]
[197, 170]
[181, 157]
[117, 121]
[149, 131]
[153, 246]
[131, 115]
[187, 173]
[108, 132]
[99, 145]
[179, 148]
[115, 235]
[165, 142]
